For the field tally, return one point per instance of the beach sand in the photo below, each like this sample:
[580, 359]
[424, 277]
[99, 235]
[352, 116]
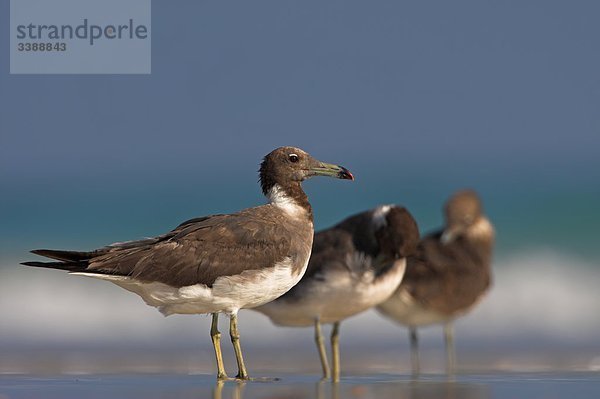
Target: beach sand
[580, 385]
[187, 373]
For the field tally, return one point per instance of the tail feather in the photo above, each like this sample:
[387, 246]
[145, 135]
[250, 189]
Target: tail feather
[71, 261]
[68, 266]
[65, 256]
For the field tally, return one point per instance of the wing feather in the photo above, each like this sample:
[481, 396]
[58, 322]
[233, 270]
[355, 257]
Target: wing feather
[447, 278]
[201, 250]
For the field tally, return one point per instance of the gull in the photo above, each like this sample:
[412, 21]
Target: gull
[448, 275]
[219, 263]
[354, 266]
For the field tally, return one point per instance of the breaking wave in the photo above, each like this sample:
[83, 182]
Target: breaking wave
[540, 294]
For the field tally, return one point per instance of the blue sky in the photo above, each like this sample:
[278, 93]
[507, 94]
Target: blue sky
[416, 98]
[507, 87]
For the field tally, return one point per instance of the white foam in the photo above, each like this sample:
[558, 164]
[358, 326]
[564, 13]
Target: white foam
[545, 294]
[539, 294]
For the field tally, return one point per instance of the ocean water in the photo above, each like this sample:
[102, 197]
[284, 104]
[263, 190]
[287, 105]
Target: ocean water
[529, 213]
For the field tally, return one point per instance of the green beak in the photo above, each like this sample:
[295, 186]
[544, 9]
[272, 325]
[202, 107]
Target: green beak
[327, 169]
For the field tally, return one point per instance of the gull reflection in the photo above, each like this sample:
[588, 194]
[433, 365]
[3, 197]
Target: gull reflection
[380, 387]
[237, 389]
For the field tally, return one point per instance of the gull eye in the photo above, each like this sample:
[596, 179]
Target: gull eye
[293, 158]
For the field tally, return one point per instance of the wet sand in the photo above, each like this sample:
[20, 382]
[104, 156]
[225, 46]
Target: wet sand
[374, 373]
[580, 385]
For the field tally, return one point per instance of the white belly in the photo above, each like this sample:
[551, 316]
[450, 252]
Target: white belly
[227, 295]
[402, 307]
[334, 298]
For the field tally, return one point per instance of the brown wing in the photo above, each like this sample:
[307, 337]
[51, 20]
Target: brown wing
[330, 251]
[447, 278]
[201, 250]
[360, 235]
[329, 257]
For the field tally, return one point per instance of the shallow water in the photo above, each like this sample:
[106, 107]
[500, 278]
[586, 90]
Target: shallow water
[578, 385]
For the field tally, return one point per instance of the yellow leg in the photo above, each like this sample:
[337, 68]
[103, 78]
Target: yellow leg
[450, 354]
[414, 350]
[215, 335]
[335, 351]
[321, 349]
[235, 340]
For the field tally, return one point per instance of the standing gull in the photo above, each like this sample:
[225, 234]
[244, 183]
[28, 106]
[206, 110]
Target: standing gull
[220, 263]
[354, 266]
[448, 275]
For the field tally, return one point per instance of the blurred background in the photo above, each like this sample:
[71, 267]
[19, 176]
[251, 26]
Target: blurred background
[417, 99]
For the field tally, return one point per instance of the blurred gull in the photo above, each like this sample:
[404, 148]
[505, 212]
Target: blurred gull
[354, 266]
[447, 276]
